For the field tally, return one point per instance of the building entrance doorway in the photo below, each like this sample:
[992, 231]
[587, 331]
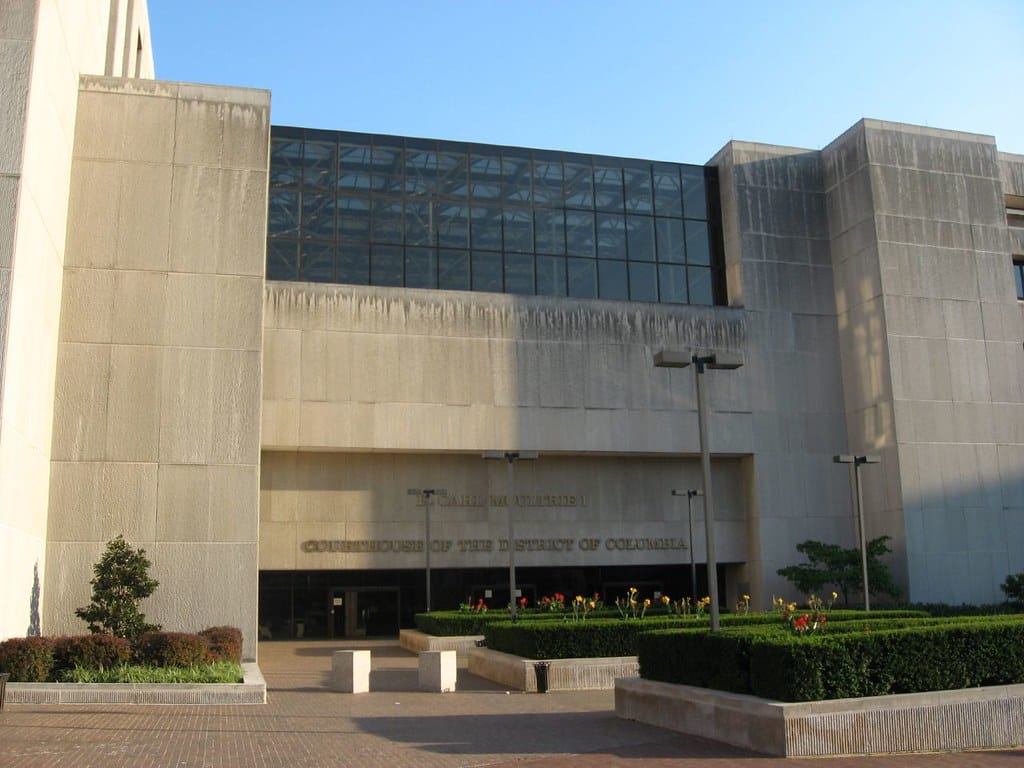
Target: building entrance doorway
[363, 611]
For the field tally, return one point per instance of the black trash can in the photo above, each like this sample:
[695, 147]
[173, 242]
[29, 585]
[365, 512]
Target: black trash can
[4, 677]
[540, 669]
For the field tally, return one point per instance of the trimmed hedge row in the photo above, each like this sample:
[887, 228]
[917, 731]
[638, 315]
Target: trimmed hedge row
[845, 661]
[46, 659]
[459, 623]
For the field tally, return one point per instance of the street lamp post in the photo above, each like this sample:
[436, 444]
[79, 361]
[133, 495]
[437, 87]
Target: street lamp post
[427, 494]
[856, 460]
[689, 517]
[700, 362]
[511, 457]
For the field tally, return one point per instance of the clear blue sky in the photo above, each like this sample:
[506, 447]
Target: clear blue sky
[658, 80]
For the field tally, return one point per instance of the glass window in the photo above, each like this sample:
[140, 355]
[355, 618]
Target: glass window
[668, 199]
[420, 268]
[643, 281]
[353, 167]
[608, 188]
[318, 215]
[420, 167]
[387, 221]
[485, 231]
[353, 217]
[487, 271]
[453, 225]
[419, 222]
[614, 280]
[698, 248]
[283, 213]
[579, 185]
[285, 162]
[282, 259]
[611, 236]
[485, 176]
[519, 273]
[453, 270]
[549, 231]
[518, 223]
[672, 283]
[640, 238]
[451, 174]
[582, 278]
[701, 287]
[1018, 273]
[579, 234]
[547, 179]
[671, 245]
[386, 263]
[316, 262]
[515, 174]
[550, 276]
[387, 165]
[695, 202]
[353, 264]
[319, 164]
[636, 179]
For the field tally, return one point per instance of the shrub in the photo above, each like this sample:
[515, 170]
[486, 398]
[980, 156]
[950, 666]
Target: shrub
[120, 583]
[171, 649]
[1013, 587]
[27, 659]
[90, 652]
[225, 643]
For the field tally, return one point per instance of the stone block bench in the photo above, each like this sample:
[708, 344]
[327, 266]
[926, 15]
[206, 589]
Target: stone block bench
[350, 671]
[437, 671]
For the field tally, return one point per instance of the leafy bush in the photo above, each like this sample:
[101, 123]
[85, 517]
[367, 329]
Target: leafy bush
[225, 643]
[121, 581]
[891, 656]
[90, 652]
[1013, 587]
[830, 564]
[171, 649]
[570, 640]
[27, 659]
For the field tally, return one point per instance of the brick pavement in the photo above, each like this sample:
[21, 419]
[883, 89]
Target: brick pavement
[306, 725]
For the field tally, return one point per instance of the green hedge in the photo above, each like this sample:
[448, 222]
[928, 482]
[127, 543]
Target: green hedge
[459, 623]
[842, 662]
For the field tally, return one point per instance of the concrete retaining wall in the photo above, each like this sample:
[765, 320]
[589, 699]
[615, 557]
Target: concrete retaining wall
[415, 641]
[253, 690]
[563, 674]
[973, 718]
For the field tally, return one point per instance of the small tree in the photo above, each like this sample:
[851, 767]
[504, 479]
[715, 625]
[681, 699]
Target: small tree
[1014, 587]
[830, 564]
[121, 582]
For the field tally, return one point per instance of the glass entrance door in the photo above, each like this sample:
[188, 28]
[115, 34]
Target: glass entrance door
[365, 611]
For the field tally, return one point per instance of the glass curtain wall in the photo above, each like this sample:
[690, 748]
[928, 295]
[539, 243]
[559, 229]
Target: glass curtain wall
[384, 210]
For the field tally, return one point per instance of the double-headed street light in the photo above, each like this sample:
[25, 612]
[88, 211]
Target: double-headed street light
[700, 362]
[689, 517]
[511, 457]
[427, 494]
[857, 460]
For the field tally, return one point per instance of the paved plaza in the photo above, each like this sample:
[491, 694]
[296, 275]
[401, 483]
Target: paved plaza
[306, 725]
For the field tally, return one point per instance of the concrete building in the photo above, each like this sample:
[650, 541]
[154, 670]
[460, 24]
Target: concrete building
[253, 403]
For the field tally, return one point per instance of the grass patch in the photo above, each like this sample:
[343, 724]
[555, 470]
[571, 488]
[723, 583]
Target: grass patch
[216, 672]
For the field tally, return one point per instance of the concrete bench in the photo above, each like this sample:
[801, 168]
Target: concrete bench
[350, 671]
[437, 671]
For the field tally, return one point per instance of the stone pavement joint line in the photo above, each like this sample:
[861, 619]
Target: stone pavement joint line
[306, 724]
